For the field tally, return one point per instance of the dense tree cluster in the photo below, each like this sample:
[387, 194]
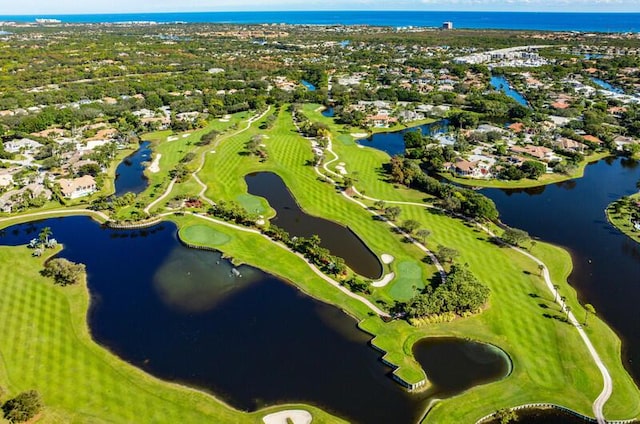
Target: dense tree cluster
[23, 407]
[460, 293]
[63, 271]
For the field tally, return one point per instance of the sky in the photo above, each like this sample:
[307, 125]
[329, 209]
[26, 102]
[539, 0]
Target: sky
[42, 7]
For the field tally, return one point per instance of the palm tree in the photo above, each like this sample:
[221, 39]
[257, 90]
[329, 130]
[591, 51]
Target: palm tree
[562, 299]
[44, 235]
[555, 289]
[540, 269]
[567, 309]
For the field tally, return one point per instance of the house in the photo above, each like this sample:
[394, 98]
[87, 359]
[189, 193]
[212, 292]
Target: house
[14, 198]
[592, 139]
[381, 121]
[569, 145]
[14, 146]
[538, 152]
[77, 187]
[465, 168]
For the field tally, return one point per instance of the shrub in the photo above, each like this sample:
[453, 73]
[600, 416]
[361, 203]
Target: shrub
[22, 407]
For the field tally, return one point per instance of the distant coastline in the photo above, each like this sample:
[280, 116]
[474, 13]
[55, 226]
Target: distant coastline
[542, 21]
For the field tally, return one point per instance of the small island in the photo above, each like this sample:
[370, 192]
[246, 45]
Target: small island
[624, 214]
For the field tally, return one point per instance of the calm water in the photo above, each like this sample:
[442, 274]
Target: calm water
[393, 142]
[606, 262]
[499, 82]
[308, 85]
[449, 362]
[607, 86]
[130, 173]
[340, 241]
[179, 314]
[329, 112]
[548, 21]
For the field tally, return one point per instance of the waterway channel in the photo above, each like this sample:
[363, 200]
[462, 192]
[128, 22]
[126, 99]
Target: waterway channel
[130, 176]
[340, 240]
[253, 341]
[499, 82]
[393, 142]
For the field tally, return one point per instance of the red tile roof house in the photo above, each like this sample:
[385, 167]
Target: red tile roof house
[77, 187]
[464, 168]
[538, 152]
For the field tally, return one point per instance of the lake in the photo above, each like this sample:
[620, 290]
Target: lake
[253, 341]
[130, 173]
[500, 83]
[393, 142]
[340, 240]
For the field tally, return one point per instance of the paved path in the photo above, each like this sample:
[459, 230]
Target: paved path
[59, 212]
[166, 193]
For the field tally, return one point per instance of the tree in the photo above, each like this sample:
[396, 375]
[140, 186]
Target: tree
[533, 169]
[392, 213]
[63, 271]
[515, 236]
[446, 254]
[567, 309]
[44, 235]
[556, 291]
[422, 234]
[589, 310]
[22, 407]
[410, 225]
[379, 204]
[505, 416]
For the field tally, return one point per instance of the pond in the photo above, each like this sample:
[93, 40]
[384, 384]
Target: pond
[607, 86]
[181, 315]
[499, 82]
[606, 262]
[454, 365]
[308, 85]
[329, 112]
[393, 142]
[130, 173]
[340, 240]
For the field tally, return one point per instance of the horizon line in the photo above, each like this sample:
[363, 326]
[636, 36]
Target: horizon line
[592, 12]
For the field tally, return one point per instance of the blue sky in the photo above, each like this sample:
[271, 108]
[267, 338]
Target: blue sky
[38, 7]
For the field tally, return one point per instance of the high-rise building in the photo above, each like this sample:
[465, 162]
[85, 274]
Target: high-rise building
[447, 25]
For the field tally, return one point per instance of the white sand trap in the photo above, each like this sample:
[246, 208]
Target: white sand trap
[296, 416]
[223, 120]
[341, 170]
[226, 117]
[359, 135]
[260, 222]
[360, 146]
[386, 258]
[342, 164]
[155, 165]
[385, 280]
[172, 138]
[186, 135]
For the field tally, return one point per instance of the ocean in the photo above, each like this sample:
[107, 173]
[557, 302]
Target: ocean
[547, 21]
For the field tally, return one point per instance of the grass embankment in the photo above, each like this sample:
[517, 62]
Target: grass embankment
[45, 345]
[619, 214]
[525, 182]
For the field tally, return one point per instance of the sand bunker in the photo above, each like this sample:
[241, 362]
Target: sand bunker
[385, 280]
[296, 416]
[359, 135]
[386, 258]
[155, 165]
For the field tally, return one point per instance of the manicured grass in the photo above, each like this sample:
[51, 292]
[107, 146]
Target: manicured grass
[45, 345]
[409, 282]
[202, 235]
[622, 219]
[252, 204]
